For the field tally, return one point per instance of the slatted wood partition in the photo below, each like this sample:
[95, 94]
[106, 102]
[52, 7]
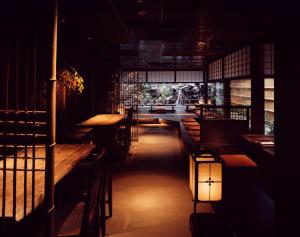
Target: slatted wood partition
[21, 134]
[24, 72]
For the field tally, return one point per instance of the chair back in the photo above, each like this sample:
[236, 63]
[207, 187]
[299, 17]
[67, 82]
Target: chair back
[90, 220]
[128, 127]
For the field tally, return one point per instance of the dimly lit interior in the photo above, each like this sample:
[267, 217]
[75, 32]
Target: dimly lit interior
[149, 118]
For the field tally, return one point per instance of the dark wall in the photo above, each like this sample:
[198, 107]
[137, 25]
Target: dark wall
[25, 54]
[95, 62]
[287, 123]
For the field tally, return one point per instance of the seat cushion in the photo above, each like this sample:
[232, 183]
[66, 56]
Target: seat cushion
[238, 160]
[195, 139]
[189, 127]
[188, 120]
[191, 123]
[194, 133]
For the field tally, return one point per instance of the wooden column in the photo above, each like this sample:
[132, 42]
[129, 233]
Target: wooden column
[287, 130]
[51, 133]
[226, 84]
[257, 92]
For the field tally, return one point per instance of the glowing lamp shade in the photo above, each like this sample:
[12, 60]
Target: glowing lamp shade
[209, 181]
[205, 178]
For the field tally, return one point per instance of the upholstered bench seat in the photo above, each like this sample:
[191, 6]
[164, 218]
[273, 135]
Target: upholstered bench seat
[195, 139]
[237, 160]
[188, 119]
[239, 171]
[193, 133]
[195, 123]
[190, 127]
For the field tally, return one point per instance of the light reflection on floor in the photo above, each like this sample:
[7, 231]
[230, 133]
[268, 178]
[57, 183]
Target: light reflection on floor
[151, 194]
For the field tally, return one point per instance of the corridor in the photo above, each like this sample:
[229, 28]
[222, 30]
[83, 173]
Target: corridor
[150, 190]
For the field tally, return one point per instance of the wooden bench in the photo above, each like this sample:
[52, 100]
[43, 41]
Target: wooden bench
[80, 135]
[240, 174]
[190, 134]
[162, 105]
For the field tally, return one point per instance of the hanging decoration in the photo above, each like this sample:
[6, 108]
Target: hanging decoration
[72, 79]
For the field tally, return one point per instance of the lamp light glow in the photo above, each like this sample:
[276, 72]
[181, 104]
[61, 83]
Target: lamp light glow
[205, 178]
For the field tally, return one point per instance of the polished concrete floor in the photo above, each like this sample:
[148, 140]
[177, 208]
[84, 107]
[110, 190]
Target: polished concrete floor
[150, 190]
[151, 196]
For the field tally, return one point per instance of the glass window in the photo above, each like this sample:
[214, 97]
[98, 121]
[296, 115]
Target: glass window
[269, 105]
[215, 93]
[240, 92]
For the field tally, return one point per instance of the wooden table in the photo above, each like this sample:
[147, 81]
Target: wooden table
[66, 158]
[264, 156]
[261, 141]
[103, 120]
[105, 126]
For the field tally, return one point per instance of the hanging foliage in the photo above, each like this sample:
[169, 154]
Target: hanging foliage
[72, 79]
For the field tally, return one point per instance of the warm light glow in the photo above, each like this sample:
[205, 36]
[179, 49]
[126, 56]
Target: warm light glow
[201, 44]
[142, 13]
[121, 109]
[209, 181]
[201, 101]
[208, 192]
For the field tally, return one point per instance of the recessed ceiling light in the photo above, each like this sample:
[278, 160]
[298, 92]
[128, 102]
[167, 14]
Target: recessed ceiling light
[142, 13]
[201, 43]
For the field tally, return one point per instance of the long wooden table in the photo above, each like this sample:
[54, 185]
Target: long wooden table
[105, 126]
[66, 158]
[262, 142]
[100, 120]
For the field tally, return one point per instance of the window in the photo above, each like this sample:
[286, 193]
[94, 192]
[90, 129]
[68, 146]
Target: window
[240, 92]
[237, 64]
[269, 105]
[215, 70]
[216, 93]
[161, 76]
[189, 76]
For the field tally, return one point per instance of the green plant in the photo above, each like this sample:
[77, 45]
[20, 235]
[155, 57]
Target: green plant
[72, 80]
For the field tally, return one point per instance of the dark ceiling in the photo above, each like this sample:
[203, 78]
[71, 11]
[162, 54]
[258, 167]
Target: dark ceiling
[199, 31]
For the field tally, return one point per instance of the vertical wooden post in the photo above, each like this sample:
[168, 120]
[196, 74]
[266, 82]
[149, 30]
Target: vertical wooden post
[51, 133]
[287, 127]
